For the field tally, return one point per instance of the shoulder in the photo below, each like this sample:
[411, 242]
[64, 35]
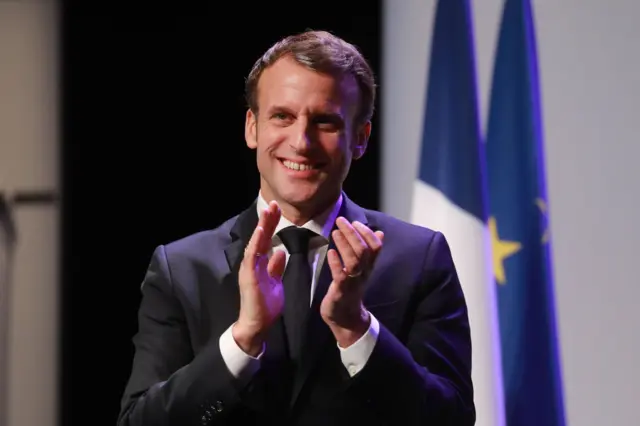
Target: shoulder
[219, 236]
[199, 247]
[407, 239]
[399, 229]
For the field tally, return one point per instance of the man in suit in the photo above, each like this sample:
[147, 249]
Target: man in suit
[304, 309]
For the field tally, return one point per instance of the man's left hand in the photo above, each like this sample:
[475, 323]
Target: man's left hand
[342, 308]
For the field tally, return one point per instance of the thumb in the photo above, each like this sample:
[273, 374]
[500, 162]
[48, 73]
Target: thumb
[276, 265]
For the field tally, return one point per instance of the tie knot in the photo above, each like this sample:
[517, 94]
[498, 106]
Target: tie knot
[295, 239]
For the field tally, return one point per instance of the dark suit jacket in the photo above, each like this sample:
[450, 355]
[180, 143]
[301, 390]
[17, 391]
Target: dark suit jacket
[418, 374]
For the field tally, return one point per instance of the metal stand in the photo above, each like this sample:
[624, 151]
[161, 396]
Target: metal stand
[8, 244]
[8, 240]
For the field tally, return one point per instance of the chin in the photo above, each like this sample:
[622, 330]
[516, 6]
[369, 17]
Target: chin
[302, 194]
[298, 197]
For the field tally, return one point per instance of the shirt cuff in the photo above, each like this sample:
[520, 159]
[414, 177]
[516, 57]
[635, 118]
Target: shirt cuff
[355, 357]
[240, 364]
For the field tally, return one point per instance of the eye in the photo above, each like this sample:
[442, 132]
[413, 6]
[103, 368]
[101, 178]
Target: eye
[328, 122]
[281, 118]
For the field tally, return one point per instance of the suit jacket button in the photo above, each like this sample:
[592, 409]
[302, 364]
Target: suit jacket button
[218, 406]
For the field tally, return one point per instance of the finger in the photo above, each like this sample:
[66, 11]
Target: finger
[251, 251]
[262, 219]
[371, 238]
[276, 265]
[272, 219]
[335, 265]
[262, 262]
[349, 257]
[268, 221]
[353, 237]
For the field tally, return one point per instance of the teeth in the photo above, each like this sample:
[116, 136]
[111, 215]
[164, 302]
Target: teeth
[297, 166]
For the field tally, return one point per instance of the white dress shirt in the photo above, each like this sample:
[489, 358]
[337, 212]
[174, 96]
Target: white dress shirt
[354, 357]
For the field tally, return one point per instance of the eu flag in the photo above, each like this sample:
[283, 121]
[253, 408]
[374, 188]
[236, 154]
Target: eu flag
[449, 192]
[519, 226]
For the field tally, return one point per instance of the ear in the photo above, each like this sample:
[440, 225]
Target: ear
[250, 129]
[362, 138]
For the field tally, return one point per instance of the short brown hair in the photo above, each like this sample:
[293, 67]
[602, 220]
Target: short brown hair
[323, 52]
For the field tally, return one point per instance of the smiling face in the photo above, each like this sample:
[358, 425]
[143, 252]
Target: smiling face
[304, 136]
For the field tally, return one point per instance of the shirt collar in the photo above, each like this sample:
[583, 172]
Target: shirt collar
[322, 224]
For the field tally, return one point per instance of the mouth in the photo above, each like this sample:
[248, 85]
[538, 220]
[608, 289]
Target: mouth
[295, 166]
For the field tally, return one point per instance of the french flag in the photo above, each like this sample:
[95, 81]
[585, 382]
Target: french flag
[450, 196]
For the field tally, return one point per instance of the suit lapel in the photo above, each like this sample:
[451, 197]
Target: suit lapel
[318, 335]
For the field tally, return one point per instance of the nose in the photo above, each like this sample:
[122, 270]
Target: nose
[302, 140]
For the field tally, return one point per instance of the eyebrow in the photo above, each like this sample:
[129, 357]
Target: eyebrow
[279, 108]
[331, 116]
[315, 114]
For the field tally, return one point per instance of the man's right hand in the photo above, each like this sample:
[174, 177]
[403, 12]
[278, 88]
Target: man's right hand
[260, 282]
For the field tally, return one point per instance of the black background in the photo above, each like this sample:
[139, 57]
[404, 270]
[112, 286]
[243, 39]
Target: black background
[152, 123]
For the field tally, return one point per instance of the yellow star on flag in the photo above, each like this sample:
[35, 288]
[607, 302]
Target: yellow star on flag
[501, 249]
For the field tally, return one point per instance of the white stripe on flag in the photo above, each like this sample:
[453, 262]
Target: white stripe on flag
[469, 241]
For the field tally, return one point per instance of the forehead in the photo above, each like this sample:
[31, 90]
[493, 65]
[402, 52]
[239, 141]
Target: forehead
[290, 84]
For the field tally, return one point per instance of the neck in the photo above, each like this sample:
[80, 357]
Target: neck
[303, 213]
[298, 215]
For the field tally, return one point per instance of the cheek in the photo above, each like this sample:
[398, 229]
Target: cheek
[267, 143]
[264, 157]
[338, 149]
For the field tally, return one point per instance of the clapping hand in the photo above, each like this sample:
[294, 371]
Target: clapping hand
[260, 282]
[342, 308]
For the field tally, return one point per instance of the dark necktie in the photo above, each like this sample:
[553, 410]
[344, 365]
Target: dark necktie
[297, 286]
